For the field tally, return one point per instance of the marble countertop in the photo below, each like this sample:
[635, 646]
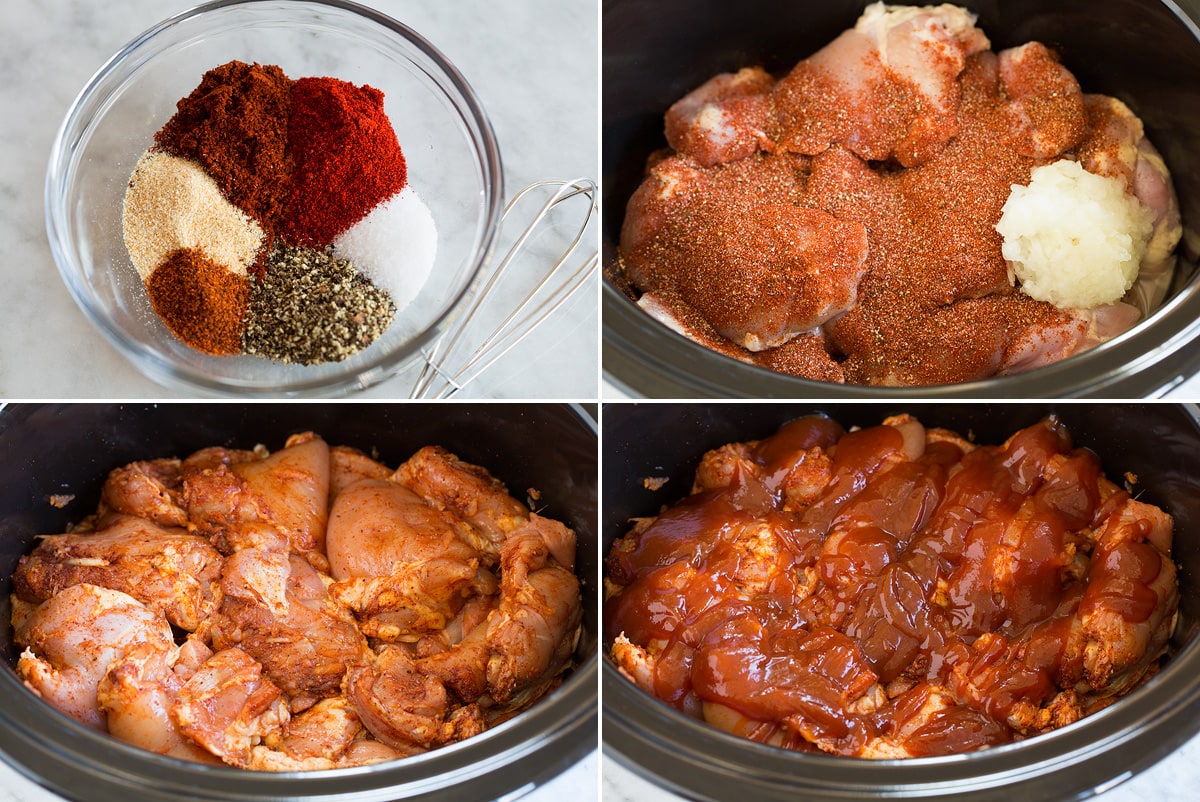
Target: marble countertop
[532, 63]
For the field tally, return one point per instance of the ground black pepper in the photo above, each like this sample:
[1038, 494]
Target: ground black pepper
[310, 308]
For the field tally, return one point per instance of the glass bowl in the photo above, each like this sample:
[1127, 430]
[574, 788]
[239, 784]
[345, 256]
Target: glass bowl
[448, 143]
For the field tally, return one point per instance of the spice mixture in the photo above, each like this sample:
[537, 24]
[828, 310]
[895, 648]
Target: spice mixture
[840, 223]
[232, 216]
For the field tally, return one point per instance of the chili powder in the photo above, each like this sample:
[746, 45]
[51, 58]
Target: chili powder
[201, 302]
[347, 158]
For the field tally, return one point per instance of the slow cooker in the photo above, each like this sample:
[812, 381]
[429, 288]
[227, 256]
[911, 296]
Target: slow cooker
[1160, 443]
[656, 51]
[66, 451]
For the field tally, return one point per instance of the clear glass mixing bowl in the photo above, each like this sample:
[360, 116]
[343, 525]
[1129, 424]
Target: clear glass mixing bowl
[448, 142]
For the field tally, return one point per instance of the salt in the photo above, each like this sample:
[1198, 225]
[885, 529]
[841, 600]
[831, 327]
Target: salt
[394, 246]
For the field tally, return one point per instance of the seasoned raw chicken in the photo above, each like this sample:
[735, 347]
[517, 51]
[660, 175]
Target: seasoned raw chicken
[761, 270]
[1043, 343]
[71, 640]
[152, 489]
[805, 355]
[138, 691]
[886, 89]
[406, 708]
[726, 119]
[840, 224]
[461, 662]
[328, 735]
[167, 569]
[242, 504]
[275, 570]
[349, 465]
[532, 633]
[228, 707]
[466, 490]
[403, 566]
[1046, 103]
[277, 609]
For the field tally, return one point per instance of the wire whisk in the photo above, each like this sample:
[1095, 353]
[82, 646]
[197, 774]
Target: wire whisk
[453, 361]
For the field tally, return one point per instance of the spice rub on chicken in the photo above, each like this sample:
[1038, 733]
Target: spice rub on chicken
[839, 222]
[310, 608]
[893, 591]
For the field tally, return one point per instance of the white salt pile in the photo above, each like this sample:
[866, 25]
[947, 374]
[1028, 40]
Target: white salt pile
[394, 246]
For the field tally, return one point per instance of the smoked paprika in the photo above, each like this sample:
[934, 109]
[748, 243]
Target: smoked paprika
[235, 125]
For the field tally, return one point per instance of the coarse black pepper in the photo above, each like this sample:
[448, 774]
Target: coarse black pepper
[310, 308]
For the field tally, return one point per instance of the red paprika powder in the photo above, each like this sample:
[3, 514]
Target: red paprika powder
[346, 159]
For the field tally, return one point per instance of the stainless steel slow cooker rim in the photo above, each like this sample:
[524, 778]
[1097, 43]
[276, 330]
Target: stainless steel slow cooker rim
[1146, 361]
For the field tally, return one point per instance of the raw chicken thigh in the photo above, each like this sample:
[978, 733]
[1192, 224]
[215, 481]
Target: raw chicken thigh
[330, 612]
[886, 89]
[840, 223]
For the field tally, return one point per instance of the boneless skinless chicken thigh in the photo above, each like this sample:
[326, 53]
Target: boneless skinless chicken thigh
[839, 223]
[305, 609]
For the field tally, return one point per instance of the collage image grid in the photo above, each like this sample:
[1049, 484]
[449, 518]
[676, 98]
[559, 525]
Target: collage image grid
[599, 400]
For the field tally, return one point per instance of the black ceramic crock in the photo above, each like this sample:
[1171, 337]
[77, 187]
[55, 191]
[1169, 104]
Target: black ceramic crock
[1145, 52]
[67, 450]
[1158, 442]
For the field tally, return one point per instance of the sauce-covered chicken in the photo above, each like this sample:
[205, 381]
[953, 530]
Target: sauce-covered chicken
[893, 591]
[839, 222]
[307, 609]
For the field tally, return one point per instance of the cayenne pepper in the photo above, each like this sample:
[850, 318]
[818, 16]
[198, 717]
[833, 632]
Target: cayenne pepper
[347, 158]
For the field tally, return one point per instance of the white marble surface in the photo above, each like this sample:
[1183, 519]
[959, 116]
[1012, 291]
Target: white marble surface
[1171, 780]
[533, 64]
